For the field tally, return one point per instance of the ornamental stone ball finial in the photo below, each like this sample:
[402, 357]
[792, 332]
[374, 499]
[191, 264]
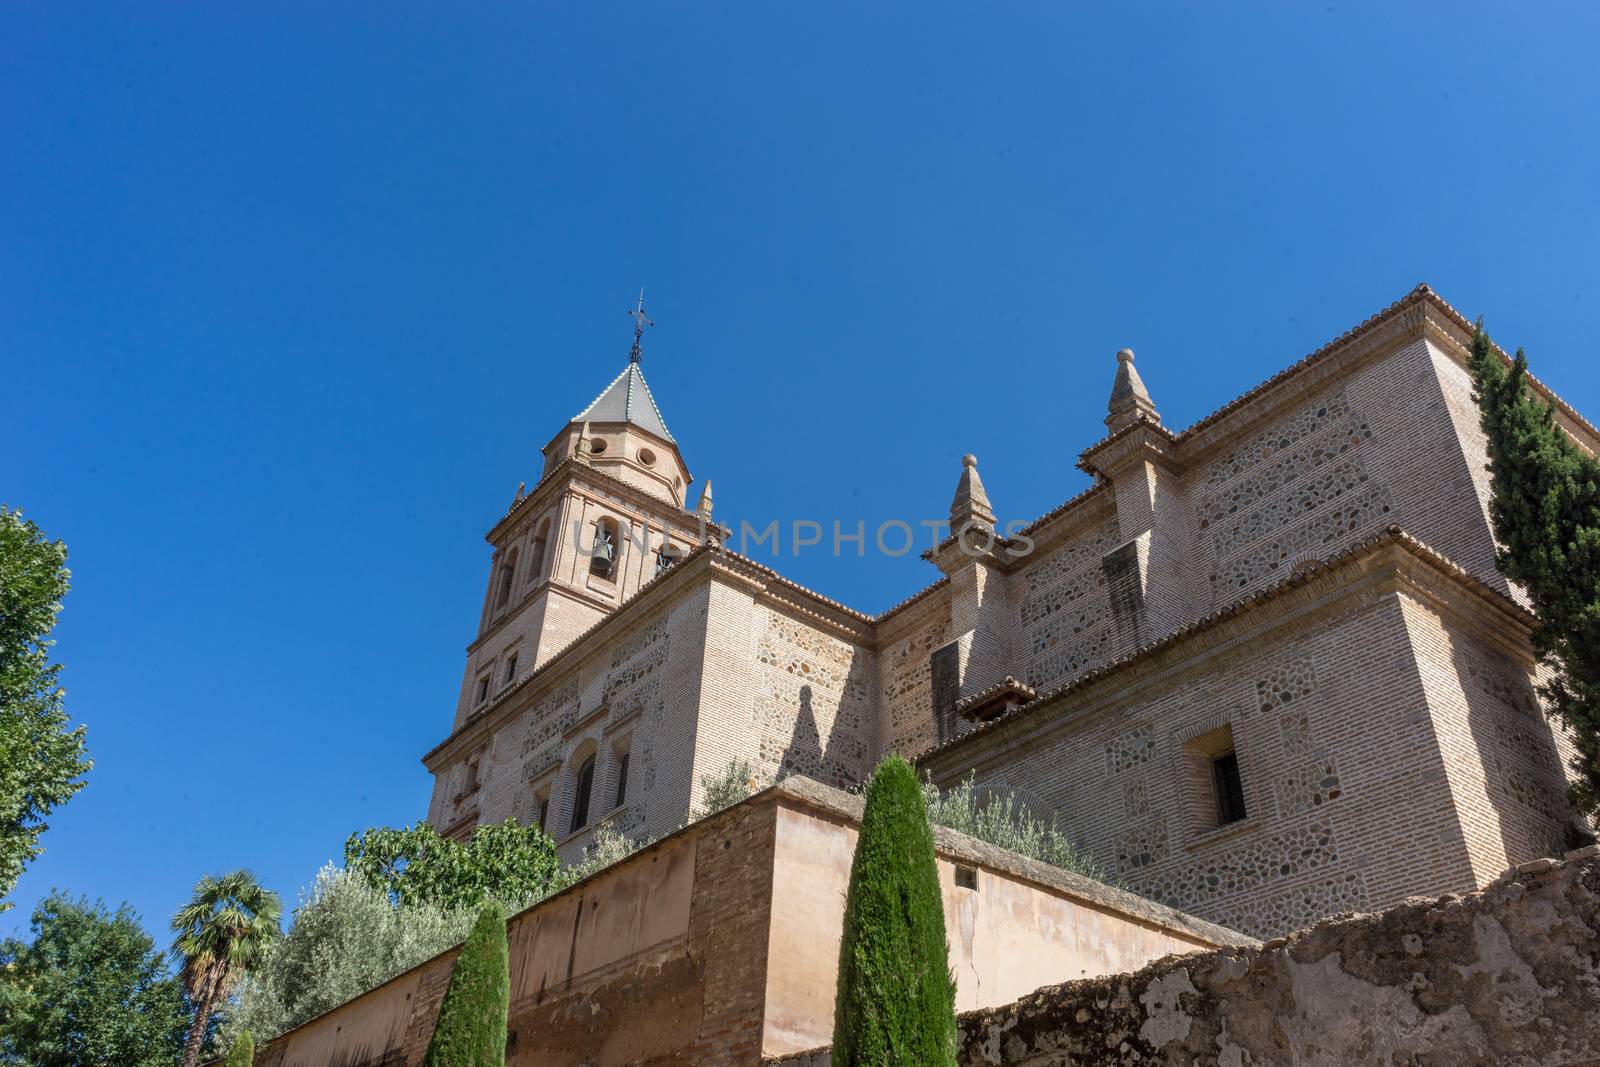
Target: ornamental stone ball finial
[1125, 356]
[969, 460]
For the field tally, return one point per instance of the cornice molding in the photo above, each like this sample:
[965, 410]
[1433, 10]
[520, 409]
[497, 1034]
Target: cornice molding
[1384, 561]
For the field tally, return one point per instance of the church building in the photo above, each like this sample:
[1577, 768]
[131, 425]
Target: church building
[1264, 669]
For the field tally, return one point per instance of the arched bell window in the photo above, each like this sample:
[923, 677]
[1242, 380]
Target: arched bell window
[508, 575]
[607, 545]
[582, 793]
[541, 539]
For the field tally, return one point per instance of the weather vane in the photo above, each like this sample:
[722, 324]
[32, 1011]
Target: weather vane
[640, 321]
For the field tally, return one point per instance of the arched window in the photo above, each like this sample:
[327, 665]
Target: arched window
[607, 546]
[583, 788]
[541, 538]
[508, 574]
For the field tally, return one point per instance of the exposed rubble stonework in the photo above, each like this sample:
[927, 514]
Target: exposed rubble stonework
[1263, 669]
[1506, 976]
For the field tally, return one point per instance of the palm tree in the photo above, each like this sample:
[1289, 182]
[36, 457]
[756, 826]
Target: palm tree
[220, 937]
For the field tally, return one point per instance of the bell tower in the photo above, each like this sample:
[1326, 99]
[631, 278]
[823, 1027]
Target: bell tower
[606, 516]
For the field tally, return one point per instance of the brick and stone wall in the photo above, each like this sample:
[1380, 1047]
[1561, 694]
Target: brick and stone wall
[1504, 976]
[1362, 689]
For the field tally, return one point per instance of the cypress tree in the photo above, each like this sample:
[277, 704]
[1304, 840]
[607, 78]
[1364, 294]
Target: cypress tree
[471, 1030]
[243, 1052]
[896, 997]
[1546, 512]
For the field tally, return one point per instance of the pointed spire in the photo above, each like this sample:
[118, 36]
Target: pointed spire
[640, 321]
[704, 507]
[1130, 400]
[585, 449]
[971, 504]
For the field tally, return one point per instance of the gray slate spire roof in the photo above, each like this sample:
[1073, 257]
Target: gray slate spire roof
[1129, 398]
[627, 399]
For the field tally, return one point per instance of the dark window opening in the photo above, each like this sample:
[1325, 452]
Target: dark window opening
[536, 556]
[580, 800]
[1230, 789]
[511, 669]
[544, 811]
[508, 574]
[966, 877]
[622, 780]
[483, 689]
[664, 560]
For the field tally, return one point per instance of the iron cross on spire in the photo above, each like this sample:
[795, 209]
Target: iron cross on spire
[640, 321]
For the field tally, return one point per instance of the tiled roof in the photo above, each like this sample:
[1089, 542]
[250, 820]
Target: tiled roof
[628, 399]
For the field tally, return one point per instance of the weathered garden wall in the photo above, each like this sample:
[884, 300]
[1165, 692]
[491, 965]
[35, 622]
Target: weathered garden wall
[1506, 976]
[719, 944]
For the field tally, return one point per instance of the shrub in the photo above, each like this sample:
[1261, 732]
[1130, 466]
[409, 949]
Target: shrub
[896, 996]
[735, 783]
[347, 937]
[471, 1030]
[1001, 821]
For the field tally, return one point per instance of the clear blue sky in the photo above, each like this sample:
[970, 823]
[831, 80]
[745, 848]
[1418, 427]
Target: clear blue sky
[290, 297]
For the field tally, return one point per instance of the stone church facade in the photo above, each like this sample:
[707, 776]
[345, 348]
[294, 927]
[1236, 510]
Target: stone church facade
[1264, 669]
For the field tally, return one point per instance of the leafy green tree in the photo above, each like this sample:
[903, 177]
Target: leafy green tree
[221, 935]
[1546, 512]
[504, 862]
[347, 937]
[896, 996]
[997, 818]
[89, 990]
[242, 1053]
[471, 1029]
[42, 762]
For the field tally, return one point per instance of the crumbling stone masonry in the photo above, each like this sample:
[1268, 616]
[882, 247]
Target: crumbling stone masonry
[1509, 976]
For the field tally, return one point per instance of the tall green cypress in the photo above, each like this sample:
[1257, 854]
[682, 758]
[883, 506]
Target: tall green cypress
[243, 1052]
[1546, 513]
[471, 1031]
[896, 997]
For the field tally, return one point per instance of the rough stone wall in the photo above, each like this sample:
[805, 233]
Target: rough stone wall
[1063, 619]
[1505, 976]
[1299, 488]
[905, 703]
[813, 705]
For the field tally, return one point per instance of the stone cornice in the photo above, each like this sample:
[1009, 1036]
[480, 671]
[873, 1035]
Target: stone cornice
[1142, 440]
[564, 476]
[1391, 560]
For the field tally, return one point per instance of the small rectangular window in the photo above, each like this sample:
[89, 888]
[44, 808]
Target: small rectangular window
[511, 668]
[483, 689]
[1230, 788]
[622, 779]
[966, 877]
[542, 807]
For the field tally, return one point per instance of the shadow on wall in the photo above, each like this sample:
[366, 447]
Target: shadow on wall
[1523, 768]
